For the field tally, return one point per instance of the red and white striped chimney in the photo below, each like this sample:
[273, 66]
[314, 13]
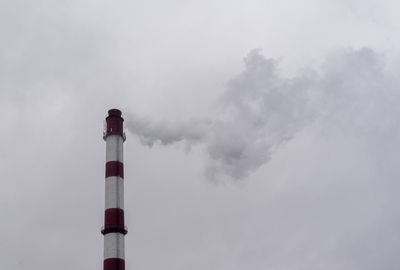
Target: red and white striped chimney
[114, 229]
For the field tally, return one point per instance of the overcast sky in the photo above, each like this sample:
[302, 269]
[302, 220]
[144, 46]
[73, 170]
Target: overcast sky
[261, 135]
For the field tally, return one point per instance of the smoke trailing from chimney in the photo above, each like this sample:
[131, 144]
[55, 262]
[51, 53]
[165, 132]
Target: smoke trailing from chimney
[261, 109]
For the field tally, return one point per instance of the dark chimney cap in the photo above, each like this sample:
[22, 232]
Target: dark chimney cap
[114, 112]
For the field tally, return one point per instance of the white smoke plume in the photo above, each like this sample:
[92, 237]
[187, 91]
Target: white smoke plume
[261, 109]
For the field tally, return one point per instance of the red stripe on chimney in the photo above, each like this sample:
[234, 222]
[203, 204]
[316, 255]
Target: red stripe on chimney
[114, 221]
[114, 168]
[114, 217]
[114, 122]
[114, 264]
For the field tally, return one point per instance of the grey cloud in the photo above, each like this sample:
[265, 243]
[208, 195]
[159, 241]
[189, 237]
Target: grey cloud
[168, 133]
[261, 109]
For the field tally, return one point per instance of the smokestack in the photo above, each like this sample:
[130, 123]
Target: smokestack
[114, 229]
